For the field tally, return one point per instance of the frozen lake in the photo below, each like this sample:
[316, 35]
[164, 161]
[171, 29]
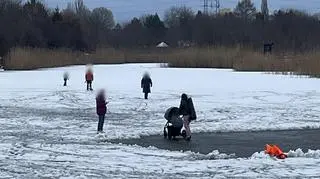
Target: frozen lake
[48, 130]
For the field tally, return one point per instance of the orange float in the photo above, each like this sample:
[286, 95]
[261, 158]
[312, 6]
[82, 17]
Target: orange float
[275, 151]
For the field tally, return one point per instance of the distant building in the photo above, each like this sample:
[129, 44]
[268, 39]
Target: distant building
[162, 45]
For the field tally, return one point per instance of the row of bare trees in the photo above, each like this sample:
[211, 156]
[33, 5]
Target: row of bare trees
[32, 24]
[76, 27]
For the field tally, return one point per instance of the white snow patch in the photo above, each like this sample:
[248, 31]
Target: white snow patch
[309, 154]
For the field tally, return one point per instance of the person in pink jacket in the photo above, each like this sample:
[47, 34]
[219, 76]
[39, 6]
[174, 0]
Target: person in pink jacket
[101, 108]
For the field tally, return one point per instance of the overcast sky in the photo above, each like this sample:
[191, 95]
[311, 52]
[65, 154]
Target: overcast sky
[124, 10]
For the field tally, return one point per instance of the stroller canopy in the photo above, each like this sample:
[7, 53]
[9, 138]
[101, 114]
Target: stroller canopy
[172, 116]
[173, 111]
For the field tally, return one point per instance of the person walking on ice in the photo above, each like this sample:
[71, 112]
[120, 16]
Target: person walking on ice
[65, 78]
[89, 78]
[101, 107]
[186, 109]
[146, 84]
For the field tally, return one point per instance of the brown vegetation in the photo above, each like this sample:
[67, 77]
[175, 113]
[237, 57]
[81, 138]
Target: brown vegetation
[33, 58]
[239, 59]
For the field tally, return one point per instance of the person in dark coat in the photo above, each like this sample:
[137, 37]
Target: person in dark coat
[186, 109]
[101, 107]
[65, 78]
[89, 79]
[146, 84]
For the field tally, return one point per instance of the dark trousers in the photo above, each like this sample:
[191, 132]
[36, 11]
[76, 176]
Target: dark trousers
[89, 85]
[100, 123]
[65, 82]
[146, 95]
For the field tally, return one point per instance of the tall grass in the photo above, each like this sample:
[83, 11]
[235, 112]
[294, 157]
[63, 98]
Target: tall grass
[307, 64]
[240, 59]
[33, 58]
[243, 59]
[27, 58]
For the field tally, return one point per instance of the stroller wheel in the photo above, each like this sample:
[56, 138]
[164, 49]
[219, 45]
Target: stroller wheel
[184, 134]
[169, 133]
[165, 134]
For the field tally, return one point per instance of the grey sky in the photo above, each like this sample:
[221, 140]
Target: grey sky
[124, 10]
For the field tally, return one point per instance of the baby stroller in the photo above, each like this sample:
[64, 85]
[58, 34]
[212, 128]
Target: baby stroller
[174, 124]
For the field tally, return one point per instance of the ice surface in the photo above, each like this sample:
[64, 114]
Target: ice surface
[224, 100]
[48, 130]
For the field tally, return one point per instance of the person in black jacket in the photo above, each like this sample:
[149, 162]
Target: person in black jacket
[65, 78]
[186, 109]
[146, 84]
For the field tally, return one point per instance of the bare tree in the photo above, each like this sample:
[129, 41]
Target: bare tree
[177, 15]
[245, 9]
[103, 17]
[317, 15]
[81, 9]
[69, 9]
[265, 9]
[10, 18]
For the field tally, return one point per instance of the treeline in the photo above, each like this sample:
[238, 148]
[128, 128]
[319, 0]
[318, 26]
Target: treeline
[32, 24]
[76, 27]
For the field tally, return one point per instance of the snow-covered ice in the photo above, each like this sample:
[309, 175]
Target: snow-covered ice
[224, 100]
[121, 161]
[48, 130]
